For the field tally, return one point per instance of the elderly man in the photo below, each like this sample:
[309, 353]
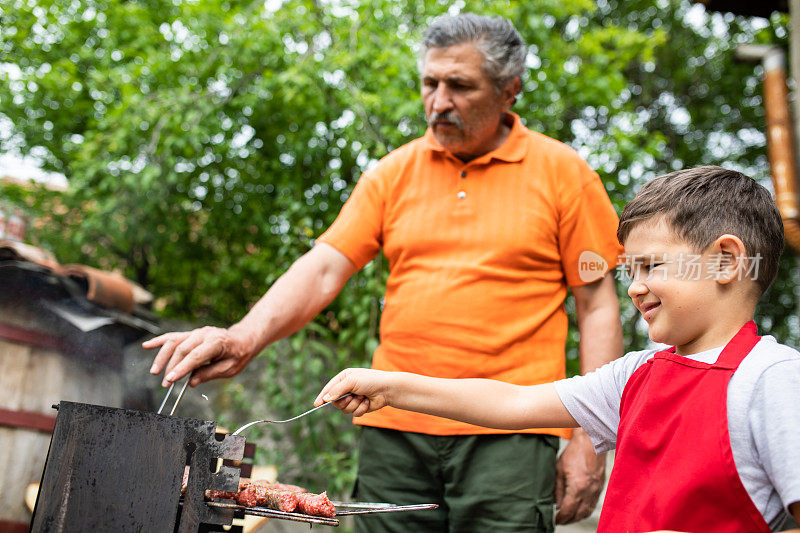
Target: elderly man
[486, 224]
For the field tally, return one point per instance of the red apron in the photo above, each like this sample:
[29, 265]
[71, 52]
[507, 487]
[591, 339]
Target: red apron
[674, 467]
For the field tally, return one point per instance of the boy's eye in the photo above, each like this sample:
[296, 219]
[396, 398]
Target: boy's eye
[648, 268]
[637, 268]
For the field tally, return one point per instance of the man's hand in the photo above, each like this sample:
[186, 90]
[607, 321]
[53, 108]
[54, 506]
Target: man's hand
[580, 475]
[211, 352]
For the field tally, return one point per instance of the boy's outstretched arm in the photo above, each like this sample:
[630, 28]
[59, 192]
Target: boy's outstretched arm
[482, 402]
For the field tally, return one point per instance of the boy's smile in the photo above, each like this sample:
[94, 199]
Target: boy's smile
[648, 309]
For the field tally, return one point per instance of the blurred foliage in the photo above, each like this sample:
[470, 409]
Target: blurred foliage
[207, 143]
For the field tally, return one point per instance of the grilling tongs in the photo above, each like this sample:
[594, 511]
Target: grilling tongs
[180, 395]
[186, 383]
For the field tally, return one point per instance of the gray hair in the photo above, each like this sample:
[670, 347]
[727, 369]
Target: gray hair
[502, 47]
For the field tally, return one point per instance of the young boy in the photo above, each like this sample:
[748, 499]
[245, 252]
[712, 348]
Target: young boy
[707, 433]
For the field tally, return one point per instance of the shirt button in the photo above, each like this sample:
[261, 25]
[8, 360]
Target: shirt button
[463, 174]
[461, 195]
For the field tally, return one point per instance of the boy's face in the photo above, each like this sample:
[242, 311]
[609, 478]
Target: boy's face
[673, 286]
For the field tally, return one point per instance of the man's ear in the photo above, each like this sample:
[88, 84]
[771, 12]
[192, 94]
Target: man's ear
[510, 92]
[730, 257]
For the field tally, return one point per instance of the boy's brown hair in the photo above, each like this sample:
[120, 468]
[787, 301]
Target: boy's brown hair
[703, 203]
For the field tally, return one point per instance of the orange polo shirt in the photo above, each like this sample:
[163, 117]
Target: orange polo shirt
[480, 257]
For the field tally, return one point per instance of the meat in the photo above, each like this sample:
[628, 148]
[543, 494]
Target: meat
[284, 486]
[278, 496]
[271, 485]
[259, 495]
[315, 504]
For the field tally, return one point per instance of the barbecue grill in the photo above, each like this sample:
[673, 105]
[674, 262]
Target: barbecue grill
[111, 469]
[121, 470]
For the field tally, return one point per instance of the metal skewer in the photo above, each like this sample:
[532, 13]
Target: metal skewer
[180, 395]
[342, 509]
[361, 505]
[388, 509]
[272, 513]
[288, 419]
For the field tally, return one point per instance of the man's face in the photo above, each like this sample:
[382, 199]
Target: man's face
[463, 107]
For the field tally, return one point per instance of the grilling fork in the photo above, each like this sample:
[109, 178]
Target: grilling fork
[288, 419]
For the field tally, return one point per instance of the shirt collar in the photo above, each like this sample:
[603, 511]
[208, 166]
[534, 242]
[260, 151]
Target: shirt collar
[512, 150]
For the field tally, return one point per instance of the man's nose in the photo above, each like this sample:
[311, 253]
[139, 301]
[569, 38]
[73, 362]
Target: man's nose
[441, 99]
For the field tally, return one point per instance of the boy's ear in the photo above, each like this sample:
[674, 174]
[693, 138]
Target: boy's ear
[730, 255]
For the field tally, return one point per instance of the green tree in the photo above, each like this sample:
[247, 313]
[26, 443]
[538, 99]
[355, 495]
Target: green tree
[207, 143]
[707, 110]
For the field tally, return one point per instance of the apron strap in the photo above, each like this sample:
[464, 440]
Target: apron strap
[738, 348]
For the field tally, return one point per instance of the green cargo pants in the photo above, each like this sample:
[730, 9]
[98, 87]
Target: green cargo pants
[482, 483]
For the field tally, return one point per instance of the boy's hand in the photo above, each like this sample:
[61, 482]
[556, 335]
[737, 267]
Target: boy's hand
[367, 388]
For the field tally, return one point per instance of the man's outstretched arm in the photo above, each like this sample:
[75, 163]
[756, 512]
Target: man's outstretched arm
[309, 285]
